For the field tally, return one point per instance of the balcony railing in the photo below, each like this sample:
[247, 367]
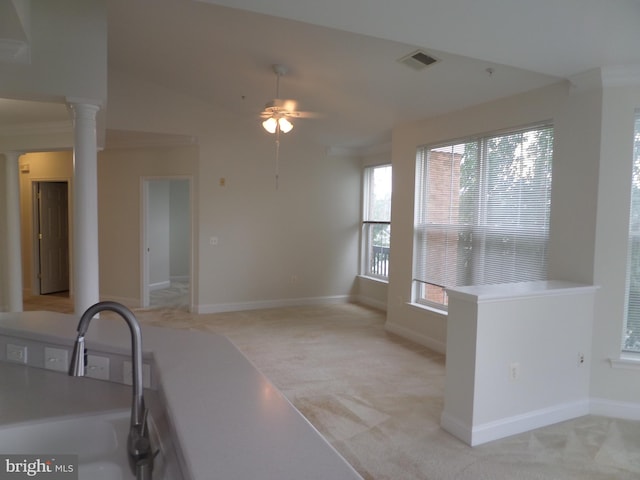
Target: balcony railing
[379, 266]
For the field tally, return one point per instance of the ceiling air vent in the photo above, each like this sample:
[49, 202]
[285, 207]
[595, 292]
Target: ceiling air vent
[418, 60]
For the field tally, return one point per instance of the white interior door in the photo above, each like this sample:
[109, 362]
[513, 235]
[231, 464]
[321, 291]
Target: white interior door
[53, 236]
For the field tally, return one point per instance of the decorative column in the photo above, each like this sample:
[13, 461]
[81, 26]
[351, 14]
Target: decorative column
[14, 251]
[85, 205]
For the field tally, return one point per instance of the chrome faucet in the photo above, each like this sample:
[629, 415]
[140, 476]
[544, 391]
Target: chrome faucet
[141, 455]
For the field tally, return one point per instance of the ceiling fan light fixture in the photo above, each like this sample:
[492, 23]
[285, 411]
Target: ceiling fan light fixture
[285, 125]
[270, 125]
[275, 123]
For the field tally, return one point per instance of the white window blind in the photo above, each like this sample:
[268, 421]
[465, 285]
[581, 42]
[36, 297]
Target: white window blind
[631, 340]
[482, 212]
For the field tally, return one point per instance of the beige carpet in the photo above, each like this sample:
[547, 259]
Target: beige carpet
[377, 398]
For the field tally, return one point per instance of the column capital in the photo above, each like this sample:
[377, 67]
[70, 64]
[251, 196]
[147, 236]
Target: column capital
[79, 101]
[83, 107]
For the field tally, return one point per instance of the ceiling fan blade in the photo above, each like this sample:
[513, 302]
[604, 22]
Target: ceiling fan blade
[298, 114]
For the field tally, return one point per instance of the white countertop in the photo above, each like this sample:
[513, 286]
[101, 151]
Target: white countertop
[230, 421]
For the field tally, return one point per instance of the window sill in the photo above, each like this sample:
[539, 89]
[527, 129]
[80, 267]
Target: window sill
[422, 307]
[626, 360]
[374, 279]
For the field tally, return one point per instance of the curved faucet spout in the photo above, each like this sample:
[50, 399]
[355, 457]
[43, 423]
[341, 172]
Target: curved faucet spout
[138, 444]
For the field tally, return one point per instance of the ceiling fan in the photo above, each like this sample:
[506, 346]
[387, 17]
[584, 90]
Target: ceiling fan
[278, 112]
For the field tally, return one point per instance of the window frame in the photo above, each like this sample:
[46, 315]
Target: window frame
[479, 229]
[633, 239]
[367, 260]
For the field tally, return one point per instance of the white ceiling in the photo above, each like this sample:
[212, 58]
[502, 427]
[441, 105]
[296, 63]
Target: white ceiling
[342, 54]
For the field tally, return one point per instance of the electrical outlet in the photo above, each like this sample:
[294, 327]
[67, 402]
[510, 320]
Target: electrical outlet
[97, 367]
[581, 359]
[16, 353]
[127, 374]
[56, 359]
[514, 371]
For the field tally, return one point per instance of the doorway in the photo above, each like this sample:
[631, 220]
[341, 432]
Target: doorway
[51, 232]
[166, 243]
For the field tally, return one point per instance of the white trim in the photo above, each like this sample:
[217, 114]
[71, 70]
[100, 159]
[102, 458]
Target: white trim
[506, 427]
[285, 302]
[370, 302]
[456, 427]
[614, 409]
[436, 345]
[519, 291]
[429, 308]
[628, 361]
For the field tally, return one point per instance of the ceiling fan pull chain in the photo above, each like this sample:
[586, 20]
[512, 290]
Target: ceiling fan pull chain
[277, 155]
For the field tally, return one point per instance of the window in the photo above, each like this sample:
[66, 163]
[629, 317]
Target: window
[631, 340]
[376, 222]
[482, 212]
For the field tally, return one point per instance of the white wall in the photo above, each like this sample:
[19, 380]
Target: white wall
[180, 229]
[159, 229]
[589, 215]
[120, 174]
[610, 385]
[421, 325]
[295, 244]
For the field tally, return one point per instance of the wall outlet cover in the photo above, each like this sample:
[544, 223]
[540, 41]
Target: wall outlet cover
[16, 353]
[56, 359]
[97, 367]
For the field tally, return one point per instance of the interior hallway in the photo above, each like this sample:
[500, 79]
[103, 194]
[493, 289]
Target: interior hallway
[377, 398]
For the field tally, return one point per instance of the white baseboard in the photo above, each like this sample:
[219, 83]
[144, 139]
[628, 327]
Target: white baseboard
[370, 302]
[287, 302]
[612, 408]
[436, 345]
[456, 427]
[506, 427]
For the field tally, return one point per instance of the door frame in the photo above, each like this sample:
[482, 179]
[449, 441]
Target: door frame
[144, 253]
[35, 224]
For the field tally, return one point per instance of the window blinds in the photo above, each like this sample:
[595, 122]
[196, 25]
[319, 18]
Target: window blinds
[631, 340]
[482, 209]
